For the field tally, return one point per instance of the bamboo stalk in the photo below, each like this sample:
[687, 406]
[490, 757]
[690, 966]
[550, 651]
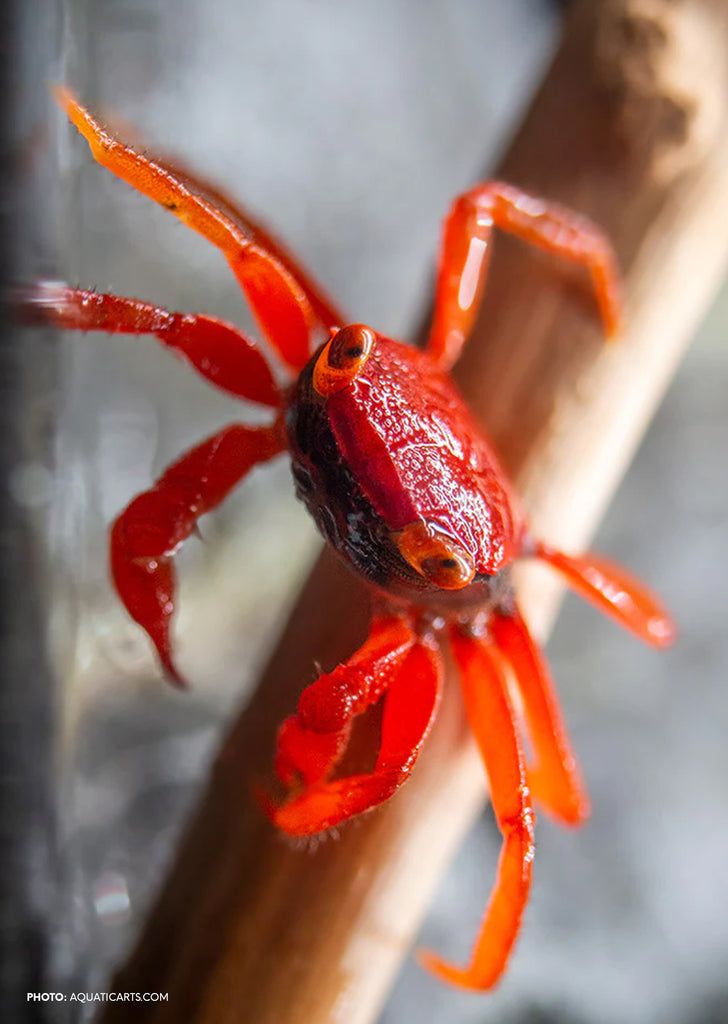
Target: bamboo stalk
[249, 927]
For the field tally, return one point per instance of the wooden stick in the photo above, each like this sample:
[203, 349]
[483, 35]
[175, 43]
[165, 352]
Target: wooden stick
[252, 928]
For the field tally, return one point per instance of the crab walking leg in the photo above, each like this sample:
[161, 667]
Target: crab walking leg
[325, 309]
[310, 743]
[492, 720]
[285, 302]
[148, 532]
[615, 592]
[554, 779]
[466, 247]
[220, 352]
[410, 705]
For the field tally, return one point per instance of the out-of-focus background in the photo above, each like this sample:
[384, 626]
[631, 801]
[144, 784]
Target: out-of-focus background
[348, 128]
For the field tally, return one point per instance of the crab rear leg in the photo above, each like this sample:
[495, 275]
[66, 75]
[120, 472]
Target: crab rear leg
[554, 779]
[220, 352]
[466, 250]
[286, 302]
[615, 592]
[493, 722]
[146, 535]
[410, 675]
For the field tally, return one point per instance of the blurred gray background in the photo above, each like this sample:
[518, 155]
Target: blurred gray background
[348, 128]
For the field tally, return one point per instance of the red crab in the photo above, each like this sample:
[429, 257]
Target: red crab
[402, 482]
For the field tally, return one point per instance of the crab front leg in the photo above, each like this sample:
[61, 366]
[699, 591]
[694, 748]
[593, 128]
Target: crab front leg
[554, 777]
[286, 302]
[148, 532]
[393, 662]
[493, 722]
[218, 350]
[466, 247]
[615, 592]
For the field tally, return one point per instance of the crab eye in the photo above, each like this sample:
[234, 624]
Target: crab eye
[434, 555]
[342, 359]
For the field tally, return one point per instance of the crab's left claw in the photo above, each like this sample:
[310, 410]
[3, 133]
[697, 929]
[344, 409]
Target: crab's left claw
[616, 593]
[394, 664]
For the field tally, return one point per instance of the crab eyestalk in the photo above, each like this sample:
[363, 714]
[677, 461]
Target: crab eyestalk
[435, 556]
[342, 359]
